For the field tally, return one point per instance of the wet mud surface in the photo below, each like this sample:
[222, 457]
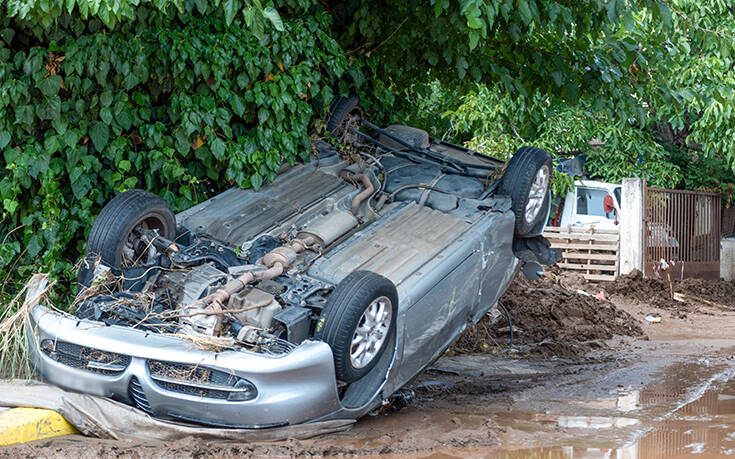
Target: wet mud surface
[606, 383]
[699, 293]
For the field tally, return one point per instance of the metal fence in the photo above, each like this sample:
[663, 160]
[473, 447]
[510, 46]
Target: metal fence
[728, 222]
[682, 229]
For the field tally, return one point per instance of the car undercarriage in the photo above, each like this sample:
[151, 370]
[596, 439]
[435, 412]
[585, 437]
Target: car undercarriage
[314, 298]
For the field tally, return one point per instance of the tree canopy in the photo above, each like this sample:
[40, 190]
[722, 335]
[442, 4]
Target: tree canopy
[188, 97]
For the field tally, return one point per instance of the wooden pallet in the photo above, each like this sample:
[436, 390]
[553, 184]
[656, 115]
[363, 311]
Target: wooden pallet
[590, 252]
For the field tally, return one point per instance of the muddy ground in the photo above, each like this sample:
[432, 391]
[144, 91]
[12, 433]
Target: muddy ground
[586, 377]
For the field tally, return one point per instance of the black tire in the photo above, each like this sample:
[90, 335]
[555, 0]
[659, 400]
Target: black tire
[517, 181]
[342, 315]
[340, 110]
[118, 219]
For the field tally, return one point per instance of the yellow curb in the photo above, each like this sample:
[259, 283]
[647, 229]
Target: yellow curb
[20, 425]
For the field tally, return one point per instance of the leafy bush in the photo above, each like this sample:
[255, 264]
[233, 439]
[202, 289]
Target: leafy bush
[180, 105]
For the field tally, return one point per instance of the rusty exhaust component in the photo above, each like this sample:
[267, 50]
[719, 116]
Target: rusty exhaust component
[364, 194]
[276, 261]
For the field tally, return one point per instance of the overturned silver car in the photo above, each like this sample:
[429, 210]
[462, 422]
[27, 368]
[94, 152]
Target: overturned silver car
[314, 298]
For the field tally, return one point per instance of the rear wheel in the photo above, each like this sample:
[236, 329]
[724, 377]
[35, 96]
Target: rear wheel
[527, 181]
[340, 111]
[358, 322]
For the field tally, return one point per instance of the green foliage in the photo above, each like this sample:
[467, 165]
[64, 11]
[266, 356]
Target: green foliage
[568, 49]
[183, 107]
[187, 97]
[44, 13]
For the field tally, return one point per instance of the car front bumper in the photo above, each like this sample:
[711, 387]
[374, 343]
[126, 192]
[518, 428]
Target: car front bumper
[292, 388]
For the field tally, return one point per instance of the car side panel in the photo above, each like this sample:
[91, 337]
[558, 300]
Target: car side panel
[498, 264]
[435, 318]
[441, 297]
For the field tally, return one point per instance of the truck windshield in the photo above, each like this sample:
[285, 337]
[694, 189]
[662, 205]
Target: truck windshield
[591, 201]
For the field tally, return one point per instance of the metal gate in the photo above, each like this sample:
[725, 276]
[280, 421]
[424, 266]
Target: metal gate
[682, 228]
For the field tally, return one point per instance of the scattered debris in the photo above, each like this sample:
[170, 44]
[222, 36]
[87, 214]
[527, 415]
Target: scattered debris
[653, 319]
[688, 298]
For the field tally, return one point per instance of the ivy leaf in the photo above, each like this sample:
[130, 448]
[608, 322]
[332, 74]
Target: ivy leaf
[231, 8]
[473, 19]
[49, 109]
[100, 135]
[238, 105]
[275, 18]
[665, 12]
[7, 35]
[218, 149]
[50, 85]
[256, 180]
[524, 11]
[106, 98]
[123, 116]
[106, 115]
[124, 165]
[24, 114]
[474, 39]
[33, 246]
[462, 67]
[10, 205]
[39, 165]
[4, 139]
[60, 125]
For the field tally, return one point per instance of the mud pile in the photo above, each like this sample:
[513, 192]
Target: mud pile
[549, 320]
[658, 292]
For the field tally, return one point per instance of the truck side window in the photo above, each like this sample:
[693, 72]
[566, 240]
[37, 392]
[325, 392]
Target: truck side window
[619, 195]
[590, 201]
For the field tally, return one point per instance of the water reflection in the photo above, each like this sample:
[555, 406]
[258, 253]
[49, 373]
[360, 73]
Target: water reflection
[692, 420]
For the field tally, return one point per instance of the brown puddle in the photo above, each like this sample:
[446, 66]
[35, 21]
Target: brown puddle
[688, 411]
[562, 410]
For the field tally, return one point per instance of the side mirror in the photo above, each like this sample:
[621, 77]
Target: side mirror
[607, 204]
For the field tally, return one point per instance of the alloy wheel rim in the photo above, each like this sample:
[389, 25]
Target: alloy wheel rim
[537, 194]
[371, 332]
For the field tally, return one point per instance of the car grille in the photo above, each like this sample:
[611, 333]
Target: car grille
[137, 395]
[86, 358]
[192, 379]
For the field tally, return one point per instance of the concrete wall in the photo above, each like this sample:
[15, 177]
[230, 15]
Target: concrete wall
[727, 259]
[631, 225]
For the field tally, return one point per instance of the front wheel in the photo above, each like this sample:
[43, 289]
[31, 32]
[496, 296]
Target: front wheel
[527, 181]
[114, 235]
[358, 322]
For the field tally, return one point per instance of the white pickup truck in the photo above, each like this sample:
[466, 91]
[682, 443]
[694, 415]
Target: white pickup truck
[592, 203]
[597, 204]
